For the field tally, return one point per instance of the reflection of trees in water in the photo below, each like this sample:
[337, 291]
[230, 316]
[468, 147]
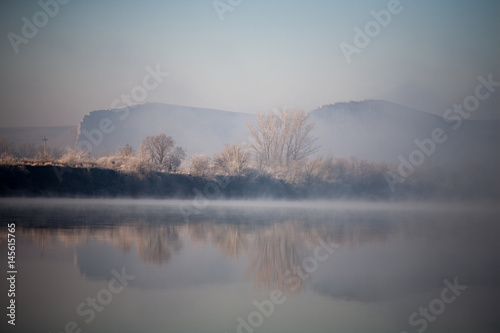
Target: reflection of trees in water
[275, 250]
[199, 232]
[156, 244]
[278, 251]
[276, 255]
[230, 240]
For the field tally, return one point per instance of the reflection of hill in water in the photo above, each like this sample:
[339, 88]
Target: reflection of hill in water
[384, 257]
[274, 241]
[272, 248]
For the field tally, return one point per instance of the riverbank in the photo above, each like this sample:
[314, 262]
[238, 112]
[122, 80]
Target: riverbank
[52, 180]
[55, 180]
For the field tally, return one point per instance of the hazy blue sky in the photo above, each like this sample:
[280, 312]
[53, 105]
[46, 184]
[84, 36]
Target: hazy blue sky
[264, 54]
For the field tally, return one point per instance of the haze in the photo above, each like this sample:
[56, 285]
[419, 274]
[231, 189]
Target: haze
[261, 56]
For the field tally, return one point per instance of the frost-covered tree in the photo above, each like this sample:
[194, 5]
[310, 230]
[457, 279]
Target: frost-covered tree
[282, 139]
[74, 157]
[199, 165]
[233, 160]
[126, 151]
[175, 158]
[160, 153]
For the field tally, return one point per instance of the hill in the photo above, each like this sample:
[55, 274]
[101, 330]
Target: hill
[371, 130]
[198, 130]
[383, 131]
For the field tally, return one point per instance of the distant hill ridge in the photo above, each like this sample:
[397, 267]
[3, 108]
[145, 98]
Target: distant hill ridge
[375, 130]
[382, 131]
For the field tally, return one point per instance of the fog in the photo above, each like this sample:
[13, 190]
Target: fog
[253, 206]
[370, 130]
[369, 149]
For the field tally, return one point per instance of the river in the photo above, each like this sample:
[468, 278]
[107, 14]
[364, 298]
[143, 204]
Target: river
[103, 265]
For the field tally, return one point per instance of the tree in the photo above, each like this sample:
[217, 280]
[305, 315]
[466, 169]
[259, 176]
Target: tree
[74, 158]
[126, 151]
[155, 148]
[124, 159]
[315, 170]
[233, 160]
[199, 165]
[282, 139]
[175, 158]
[160, 153]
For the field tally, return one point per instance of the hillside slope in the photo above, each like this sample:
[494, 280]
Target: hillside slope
[198, 130]
[382, 131]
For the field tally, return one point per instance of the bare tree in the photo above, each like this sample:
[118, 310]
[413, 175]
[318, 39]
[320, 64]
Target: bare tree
[160, 153]
[199, 165]
[315, 170]
[175, 158]
[155, 149]
[233, 160]
[282, 139]
[126, 151]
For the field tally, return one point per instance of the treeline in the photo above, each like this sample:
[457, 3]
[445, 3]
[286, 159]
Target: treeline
[280, 161]
[280, 153]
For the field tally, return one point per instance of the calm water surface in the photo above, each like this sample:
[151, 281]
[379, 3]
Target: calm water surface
[183, 266]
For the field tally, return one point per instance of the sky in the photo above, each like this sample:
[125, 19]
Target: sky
[242, 55]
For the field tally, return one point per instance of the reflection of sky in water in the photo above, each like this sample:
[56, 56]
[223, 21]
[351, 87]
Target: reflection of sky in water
[200, 276]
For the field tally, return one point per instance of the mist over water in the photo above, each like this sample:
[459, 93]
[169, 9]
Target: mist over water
[205, 272]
